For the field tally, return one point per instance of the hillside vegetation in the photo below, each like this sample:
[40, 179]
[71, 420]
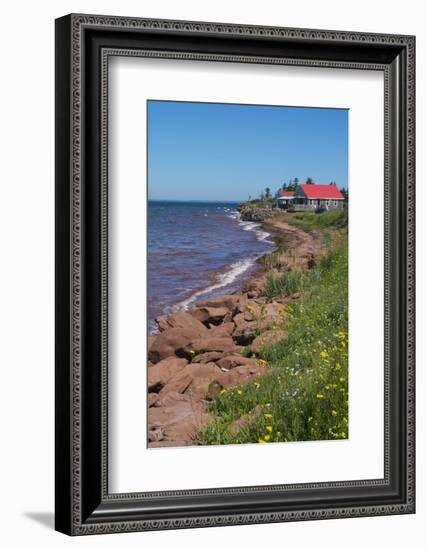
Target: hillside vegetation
[303, 395]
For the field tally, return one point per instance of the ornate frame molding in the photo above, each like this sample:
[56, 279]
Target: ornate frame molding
[72, 44]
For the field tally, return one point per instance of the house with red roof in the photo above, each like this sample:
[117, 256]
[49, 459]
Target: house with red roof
[285, 199]
[311, 196]
[314, 195]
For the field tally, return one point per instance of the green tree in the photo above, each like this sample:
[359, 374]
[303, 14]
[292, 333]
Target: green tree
[296, 181]
[268, 193]
[284, 186]
[309, 180]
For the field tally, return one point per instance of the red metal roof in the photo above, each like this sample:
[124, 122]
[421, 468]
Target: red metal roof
[321, 191]
[286, 194]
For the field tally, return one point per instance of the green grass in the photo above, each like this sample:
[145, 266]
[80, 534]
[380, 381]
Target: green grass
[284, 284]
[304, 391]
[309, 220]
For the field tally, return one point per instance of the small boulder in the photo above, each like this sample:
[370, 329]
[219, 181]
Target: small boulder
[160, 374]
[226, 329]
[232, 361]
[266, 338]
[178, 417]
[209, 315]
[193, 380]
[152, 399]
[179, 320]
[171, 339]
[228, 301]
[156, 434]
[255, 287]
[208, 357]
[245, 331]
[241, 375]
[206, 344]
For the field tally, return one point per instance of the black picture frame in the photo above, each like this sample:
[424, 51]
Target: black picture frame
[83, 504]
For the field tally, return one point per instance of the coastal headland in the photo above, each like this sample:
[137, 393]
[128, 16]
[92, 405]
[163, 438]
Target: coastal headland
[203, 356]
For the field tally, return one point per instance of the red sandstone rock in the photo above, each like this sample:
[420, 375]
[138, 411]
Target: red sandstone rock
[167, 342]
[208, 357]
[245, 331]
[179, 418]
[205, 344]
[226, 329]
[179, 320]
[228, 301]
[232, 361]
[207, 315]
[151, 340]
[156, 434]
[193, 380]
[266, 338]
[152, 399]
[160, 374]
[241, 375]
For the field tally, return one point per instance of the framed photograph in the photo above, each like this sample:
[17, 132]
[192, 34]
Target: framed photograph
[234, 274]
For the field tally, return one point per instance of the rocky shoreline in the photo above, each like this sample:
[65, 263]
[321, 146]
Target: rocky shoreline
[215, 345]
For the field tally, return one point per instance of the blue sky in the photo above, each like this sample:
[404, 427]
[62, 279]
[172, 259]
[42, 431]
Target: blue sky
[224, 152]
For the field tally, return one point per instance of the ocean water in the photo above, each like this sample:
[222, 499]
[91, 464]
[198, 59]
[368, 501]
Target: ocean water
[198, 250]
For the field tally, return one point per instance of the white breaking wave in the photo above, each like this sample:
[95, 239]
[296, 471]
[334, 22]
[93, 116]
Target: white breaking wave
[223, 279]
[235, 270]
[252, 226]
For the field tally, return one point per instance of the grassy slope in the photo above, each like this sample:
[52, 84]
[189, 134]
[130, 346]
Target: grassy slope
[304, 393]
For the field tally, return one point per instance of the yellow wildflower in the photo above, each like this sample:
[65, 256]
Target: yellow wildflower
[320, 396]
[268, 415]
[333, 412]
[240, 392]
[324, 354]
[261, 441]
[267, 437]
[222, 392]
[269, 429]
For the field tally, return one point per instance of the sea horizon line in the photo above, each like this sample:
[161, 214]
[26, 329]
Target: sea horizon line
[197, 200]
